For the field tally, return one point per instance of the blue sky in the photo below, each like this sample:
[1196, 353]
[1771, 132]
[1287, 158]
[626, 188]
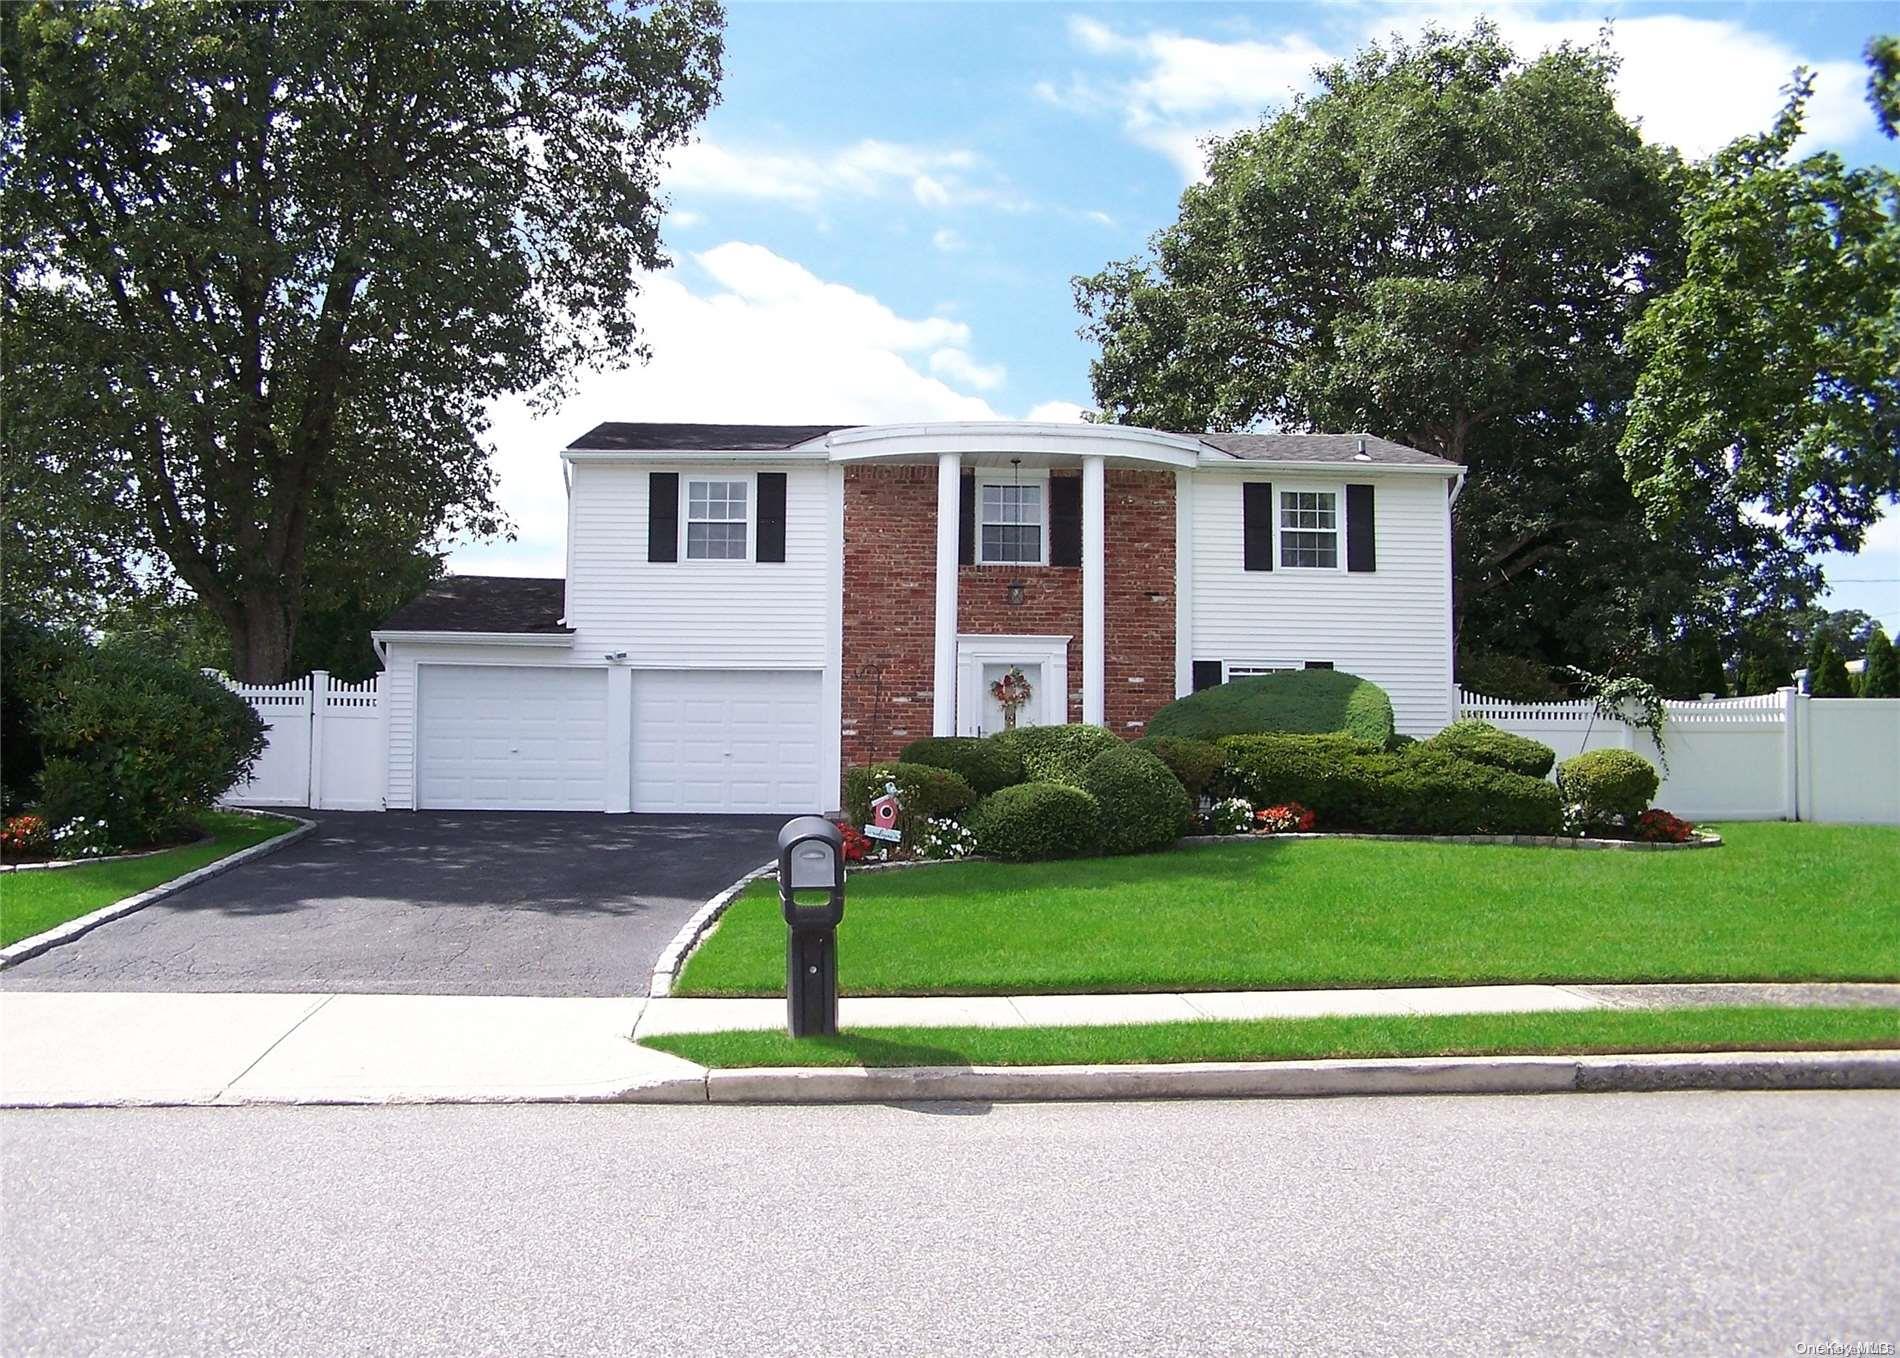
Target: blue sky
[882, 217]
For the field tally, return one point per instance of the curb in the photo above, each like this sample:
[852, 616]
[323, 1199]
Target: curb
[674, 955]
[1704, 839]
[33, 946]
[1639, 1073]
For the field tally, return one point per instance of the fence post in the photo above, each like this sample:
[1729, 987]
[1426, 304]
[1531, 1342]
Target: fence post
[1790, 753]
[319, 700]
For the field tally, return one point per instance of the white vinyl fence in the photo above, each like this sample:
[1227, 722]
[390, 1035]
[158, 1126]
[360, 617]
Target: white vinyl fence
[1780, 756]
[325, 747]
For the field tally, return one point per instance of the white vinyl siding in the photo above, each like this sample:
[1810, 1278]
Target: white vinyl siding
[693, 614]
[1392, 626]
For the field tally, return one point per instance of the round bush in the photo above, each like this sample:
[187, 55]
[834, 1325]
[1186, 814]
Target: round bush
[1194, 762]
[1056, 754]
[1143, 805]
[139, 742]
[1037, 820]
[924, 792]
[1608, 783]
[1483, 743]
[1300, 702]
[985, 765]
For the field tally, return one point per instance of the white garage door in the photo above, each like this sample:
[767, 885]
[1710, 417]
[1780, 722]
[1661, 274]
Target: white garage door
[725, 740]
[511, 738]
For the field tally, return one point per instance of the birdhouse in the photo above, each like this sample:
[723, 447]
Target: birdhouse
[886, 810]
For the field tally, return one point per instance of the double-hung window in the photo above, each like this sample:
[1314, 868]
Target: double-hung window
[1309, 529]
[716, 520]
[1011, 523]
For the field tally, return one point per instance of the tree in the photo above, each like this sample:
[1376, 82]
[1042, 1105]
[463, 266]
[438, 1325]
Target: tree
[1765, 671]
[1881, 678]
[1883, 82]
[266, 265]
[1771, 372]
[1827, 672]
[1446, 245]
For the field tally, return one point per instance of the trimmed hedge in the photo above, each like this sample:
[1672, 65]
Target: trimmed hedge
[137, 741]
[1056, 754]
[1143, 805]
[1483, 743]
[1420, 791]
[984, 764]
[923, 790]
[1194, 762]
[1037, 820]
[1302, 702]
[1608, 783]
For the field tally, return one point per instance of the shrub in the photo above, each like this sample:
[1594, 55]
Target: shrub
[1302, 702]
[1881, 678]
[925, 792]
[1231, 816]
[1606, 783]
[1037, 820]
[1143, 805]
[140, 743]
[986, 765]
[24, 836]
[1193, 762]
[1827, 672]
[1420, 791]
[1056, 754]
[943, 838]
[29, 656]
[1656, 826]
[1483, 743]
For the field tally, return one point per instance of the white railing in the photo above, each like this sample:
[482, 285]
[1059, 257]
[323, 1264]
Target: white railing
[1776, 756]
[325, 745]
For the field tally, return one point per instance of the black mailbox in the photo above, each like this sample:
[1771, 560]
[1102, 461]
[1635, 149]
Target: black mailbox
[811, 860]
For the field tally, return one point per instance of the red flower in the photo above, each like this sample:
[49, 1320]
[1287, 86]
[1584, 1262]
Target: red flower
[1284, 818]
[856, 843]
[1656, 826]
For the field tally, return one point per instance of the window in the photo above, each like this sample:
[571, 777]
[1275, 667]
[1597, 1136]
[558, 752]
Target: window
[1240, 669]
[715, 520]
[1309, 529]
[1011, 518]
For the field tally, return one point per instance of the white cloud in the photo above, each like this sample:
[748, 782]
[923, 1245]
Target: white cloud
[947, 240]
[936, 178]
[681, 218]
[1692, 82]
[1055, 412]
[955, 365]
[752, 337]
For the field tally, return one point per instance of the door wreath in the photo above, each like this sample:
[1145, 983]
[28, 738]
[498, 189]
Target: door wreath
[1011, 692]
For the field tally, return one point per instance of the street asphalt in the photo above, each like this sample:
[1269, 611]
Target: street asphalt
[427, 903]
[1696, 1223]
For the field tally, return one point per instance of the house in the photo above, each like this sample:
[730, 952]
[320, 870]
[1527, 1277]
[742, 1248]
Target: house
[748, 609]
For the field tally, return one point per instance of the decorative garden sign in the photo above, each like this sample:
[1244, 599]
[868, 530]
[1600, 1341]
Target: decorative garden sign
[886, 816]
[1011, 692]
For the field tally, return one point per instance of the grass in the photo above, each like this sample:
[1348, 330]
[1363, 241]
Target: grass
[1573, 1031]
[1778, 902]
[32, 902]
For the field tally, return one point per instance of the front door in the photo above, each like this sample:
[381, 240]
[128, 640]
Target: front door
[982, 662]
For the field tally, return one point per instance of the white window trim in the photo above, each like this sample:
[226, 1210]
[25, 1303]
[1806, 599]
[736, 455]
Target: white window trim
[1240, 669]
[1338, 492]
[989, 476]
[751, 482]
[977, 650]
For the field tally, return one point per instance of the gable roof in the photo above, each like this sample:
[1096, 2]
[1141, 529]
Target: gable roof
[619, 436]
[708, 438]
[1319, 448]
[485, 603]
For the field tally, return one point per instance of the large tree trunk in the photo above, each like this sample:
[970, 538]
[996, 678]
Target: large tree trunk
[261, 638]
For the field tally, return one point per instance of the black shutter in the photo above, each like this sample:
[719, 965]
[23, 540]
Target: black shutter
[663, 516]
[1065, 521]
[966, 523]
[1256, 534]
[770, 544]
[1206, 674]
[1361, 545]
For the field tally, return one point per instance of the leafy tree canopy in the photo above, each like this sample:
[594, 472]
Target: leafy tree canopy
[266, 264]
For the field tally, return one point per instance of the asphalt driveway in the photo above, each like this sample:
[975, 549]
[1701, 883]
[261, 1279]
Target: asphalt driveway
[427, 903]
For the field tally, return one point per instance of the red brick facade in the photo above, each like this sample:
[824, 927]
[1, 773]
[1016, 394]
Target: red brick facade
[890, 549]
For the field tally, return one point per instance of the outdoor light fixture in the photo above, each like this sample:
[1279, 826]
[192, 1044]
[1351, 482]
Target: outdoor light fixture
[1015, 593]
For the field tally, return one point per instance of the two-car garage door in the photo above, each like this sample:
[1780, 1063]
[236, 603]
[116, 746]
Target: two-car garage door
[535, 738]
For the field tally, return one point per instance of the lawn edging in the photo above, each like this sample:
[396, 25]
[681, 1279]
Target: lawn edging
[1606, 1074]
[666, 970]
[1703, 839]
[36, 944]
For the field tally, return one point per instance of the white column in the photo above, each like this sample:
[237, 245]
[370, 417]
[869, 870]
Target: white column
[943, 710]
[1094, 594]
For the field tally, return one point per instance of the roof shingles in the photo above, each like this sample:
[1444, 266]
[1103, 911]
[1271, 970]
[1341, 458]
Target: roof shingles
[531, 605]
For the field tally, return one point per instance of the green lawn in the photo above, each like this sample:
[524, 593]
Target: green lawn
[1777, 902]
[1606, 1030]
[31, 902]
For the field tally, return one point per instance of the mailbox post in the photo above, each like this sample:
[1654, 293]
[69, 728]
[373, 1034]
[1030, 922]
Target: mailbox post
[811, 859]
